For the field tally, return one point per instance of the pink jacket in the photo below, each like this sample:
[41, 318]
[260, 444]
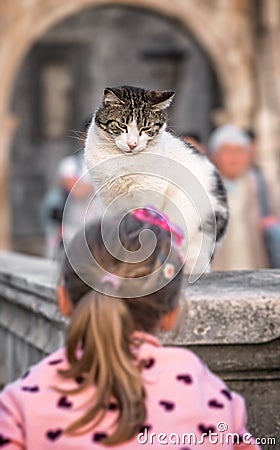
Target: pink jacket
[188, 407]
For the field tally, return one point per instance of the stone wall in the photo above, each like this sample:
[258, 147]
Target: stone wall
[230, 319]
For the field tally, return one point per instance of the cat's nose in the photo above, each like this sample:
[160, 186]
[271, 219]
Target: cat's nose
[132, 145]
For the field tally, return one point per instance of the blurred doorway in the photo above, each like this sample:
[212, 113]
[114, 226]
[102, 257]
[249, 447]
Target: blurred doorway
[61, 81]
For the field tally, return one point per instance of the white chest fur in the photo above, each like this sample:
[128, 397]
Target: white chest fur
[167, 175]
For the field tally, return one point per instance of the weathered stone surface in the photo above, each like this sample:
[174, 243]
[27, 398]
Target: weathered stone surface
[232, 308]
[30, 323]
[221, 308]
[35, 275]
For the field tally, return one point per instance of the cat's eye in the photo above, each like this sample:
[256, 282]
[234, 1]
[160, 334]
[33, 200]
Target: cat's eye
[123, 127]
[115, 127]
[144, 129]
[152, 130]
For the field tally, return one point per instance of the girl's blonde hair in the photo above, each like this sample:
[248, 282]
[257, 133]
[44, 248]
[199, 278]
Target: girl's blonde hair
[100, 346]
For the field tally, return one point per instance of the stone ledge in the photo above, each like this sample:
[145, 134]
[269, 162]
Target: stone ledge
[29, 273]
[231, 308]
[221, 308]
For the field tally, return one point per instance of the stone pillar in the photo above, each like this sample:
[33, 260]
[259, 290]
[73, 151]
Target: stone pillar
[235, 56]
[267, 118]
[7, 129]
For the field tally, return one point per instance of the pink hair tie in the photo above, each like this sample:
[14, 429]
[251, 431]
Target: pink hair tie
[112, 279]
[151, 215]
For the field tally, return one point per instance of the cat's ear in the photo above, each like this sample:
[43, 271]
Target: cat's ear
[161, 99]
[112, 96]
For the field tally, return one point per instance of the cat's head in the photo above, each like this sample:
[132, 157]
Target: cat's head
[132, 117]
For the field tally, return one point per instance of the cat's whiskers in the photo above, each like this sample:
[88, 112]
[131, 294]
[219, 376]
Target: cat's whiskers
[77, 134]
[77, 139]
[79, 149]
[103, 136]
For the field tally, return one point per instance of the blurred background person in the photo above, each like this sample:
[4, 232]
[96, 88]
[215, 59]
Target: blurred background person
[269, 207]
[74, 189]
[51, 218]
[243, 247]
[253, 142]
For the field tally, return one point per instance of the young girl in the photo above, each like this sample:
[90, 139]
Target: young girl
[114, 384]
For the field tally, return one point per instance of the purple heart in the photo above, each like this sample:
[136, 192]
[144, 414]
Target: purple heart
[168, 406]
[226, 393]
[187, 379]
[53, 434]
[64, 403]
[4, 440]
[112, 406]
[55, 361]
[97, 437]
[80, 379]
[149, 363]
[30, 388]
[206, 429]
[215, 404]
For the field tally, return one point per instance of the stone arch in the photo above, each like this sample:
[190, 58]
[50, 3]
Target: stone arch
[228, 56]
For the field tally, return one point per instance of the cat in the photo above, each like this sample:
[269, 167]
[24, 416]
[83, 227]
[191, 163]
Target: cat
[131, 122]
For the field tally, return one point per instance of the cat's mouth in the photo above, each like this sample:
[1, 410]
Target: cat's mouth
[133, 152]
[129, 152]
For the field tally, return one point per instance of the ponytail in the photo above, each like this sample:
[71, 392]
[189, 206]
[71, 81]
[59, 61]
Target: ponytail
[100, 346]
[99, 349]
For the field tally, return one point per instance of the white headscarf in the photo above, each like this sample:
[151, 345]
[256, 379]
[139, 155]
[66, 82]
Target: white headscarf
[227, 134]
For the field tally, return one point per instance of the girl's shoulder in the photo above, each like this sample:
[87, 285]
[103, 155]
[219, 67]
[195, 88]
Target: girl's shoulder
[180, 356]
[39, 375]
[49, 364]
[179, 361]
[169, 353]
[170, 358]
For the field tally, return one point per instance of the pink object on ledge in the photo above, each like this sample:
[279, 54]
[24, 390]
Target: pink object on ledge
[151, 215]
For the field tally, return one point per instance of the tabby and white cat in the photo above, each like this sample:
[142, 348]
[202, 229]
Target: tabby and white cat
[132, 121]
